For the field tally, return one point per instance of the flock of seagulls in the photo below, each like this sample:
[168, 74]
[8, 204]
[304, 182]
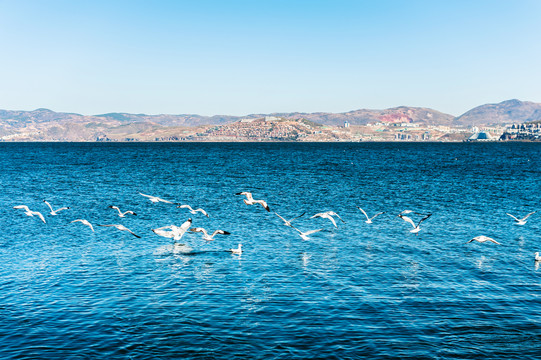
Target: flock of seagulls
[177, 232]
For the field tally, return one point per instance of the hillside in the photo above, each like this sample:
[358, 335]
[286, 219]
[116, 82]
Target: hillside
[505, 112]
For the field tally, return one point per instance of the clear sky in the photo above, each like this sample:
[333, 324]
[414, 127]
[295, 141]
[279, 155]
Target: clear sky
[239, 57]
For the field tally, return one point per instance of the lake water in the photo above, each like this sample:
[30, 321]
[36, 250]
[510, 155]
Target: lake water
[356, 291]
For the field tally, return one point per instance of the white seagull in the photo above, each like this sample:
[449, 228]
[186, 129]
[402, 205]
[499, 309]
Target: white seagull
[304, 235]
[208, 237]
[537, 257]
[250, 200]
[237, 251]
[54, 212]
[175, 232]
[192, 211]
[328, 215]
[523, 220]
[288, 222]
[416, 228]
[84, 222]
[156, 199]
[369, 219]
[29, 212]
[482, 239]
[411, 211]
[120, 213]
[122, 228]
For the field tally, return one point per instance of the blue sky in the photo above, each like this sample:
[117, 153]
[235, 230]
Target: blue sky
[240, 57]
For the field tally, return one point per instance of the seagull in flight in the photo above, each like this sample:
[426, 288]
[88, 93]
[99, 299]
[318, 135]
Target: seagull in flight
[369, 219]
[29, 212]
[537, 257]
[192, 211]
[208, 237]
[155, 199]
[172, 231]
[328, 215]
[236, 251]
[250, 200]
[304, 235]
[84, 222]
[483, 239]
[523, 220]
[416, 228]
[122, 228]
[120, 213]
[54, 212]
[288, 222]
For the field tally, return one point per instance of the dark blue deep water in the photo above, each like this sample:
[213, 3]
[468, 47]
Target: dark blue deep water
[357, 291]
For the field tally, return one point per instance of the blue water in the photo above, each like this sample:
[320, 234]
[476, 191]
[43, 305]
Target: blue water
[357, 291]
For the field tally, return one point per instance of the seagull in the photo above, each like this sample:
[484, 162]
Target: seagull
[29, 212]
[250, 200]
[288, 222]
[416, 228]
[156, 199]
[304, 235]
[122, 228]
[482, 239]
[54, 212]
[237, 251]
[523, 220]
[537, 257]
[328, 215]
[208, 237]
[176, 232]
[84, 222]
[369, 220]
[122, 214]
[192, 211]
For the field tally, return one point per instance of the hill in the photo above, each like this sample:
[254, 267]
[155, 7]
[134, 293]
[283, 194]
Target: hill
[505, 112]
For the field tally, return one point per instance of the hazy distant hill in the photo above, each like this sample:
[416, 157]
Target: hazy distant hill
[509, 111]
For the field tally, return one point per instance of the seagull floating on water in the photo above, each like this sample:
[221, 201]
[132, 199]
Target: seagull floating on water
[156, 199]
[416, 228]
[29, 212]
[84, 222]
[122, 228]
[237, 251]
[54, 212]
[483, 239]
[328, 215]
[208, 237]
[250, 200]
[192, 211]
[288, 222]
[523, 220]
[369, 219]
[175, 232]
[537, 257]
[120, 213]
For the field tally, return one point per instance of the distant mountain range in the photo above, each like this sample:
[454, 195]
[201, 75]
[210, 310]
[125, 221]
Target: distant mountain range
[44, 124]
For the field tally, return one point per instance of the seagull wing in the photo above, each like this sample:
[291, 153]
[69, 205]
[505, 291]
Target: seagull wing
[200, 230]
[364, 212]
[296, 217]
[22, 207]
[162, 232]
[49, 205]
[332, 220]
[39, 215]
[131, 232]
[312, 231]
[378, 214]
[527, 216]
[222, 232]
[513, 217]
[339, 217]
[423, 219]
[284, 220]
[408, 219]
[185, 207]
[494, 241]
[63, 208]
[202, 212]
